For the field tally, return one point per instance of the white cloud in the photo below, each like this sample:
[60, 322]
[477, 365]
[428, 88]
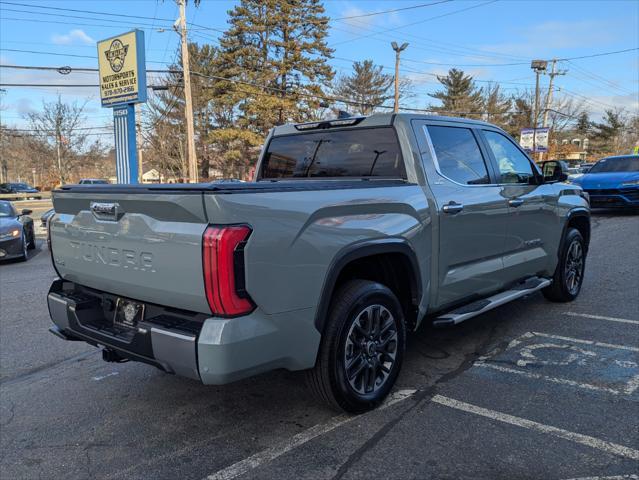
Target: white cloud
[552, 36]
[73, 37]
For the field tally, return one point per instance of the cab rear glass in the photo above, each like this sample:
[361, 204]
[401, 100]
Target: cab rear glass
[362, 152]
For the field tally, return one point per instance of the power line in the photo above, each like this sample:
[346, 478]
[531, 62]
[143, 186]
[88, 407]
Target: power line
[603, 54]
[38, 52]
[417, 22]
[391, 11]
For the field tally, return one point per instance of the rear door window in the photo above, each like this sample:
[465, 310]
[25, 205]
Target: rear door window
[458, 155]
[364, 152]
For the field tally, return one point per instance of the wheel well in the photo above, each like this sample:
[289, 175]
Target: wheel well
[394, 270]
[581, 223]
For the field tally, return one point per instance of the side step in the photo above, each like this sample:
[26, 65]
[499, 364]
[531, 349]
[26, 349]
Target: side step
[480, 306]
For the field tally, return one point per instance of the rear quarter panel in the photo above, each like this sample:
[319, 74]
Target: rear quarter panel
[297, 235]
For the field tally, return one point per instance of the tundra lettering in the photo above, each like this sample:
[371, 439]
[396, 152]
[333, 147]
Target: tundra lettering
[106, 255]
[354, 232]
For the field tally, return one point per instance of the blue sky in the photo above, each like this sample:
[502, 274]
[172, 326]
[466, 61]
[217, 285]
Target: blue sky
[480, 37]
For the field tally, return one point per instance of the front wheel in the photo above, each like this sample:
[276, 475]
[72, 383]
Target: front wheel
[24, 256]
[362, 347]
[569, 273]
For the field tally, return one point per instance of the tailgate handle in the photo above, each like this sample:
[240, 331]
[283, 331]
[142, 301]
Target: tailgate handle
[109, 211]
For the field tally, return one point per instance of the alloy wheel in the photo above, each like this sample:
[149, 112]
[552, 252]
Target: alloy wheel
[574, 267]
[370, 350]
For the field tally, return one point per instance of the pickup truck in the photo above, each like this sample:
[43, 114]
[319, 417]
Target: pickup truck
[353, 233]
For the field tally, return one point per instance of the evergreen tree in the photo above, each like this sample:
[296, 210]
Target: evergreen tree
[583, 123]
[280, 46]
[460, 96]
[366, 87]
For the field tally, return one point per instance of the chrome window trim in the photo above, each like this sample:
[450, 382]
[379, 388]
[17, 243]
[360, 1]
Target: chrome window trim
[433, 155]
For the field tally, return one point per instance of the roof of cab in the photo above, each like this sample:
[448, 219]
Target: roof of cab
[379, 120]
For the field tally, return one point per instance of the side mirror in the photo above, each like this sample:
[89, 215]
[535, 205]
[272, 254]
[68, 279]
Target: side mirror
[553, 171]
[26, 211]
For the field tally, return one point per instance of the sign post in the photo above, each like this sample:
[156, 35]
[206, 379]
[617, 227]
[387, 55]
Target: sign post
[122, 70]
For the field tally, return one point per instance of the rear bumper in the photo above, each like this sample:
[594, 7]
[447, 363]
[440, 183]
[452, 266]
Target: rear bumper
[213, 350]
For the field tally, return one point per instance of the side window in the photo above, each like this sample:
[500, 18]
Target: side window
[458, 155]
[514, 166]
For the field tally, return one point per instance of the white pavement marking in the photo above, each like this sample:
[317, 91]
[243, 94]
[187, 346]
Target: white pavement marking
[102, 377]
[586, 342]
[613, 477]
[601, 317]
[586, 440]
[301, 438]
[632, 385]
[537, 376]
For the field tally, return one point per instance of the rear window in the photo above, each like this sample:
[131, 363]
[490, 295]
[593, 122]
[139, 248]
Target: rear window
[372, 152]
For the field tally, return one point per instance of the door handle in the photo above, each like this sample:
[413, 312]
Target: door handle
[515, 202]
[452, 207]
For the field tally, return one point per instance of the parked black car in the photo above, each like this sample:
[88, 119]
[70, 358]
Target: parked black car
[17, 234]
[20, 188]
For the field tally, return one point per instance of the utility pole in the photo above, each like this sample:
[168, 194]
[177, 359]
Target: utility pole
[553, 73]
[398, 51]
[188, 102]
[538, 66]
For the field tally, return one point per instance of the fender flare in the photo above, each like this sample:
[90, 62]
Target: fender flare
[361, 250]
[574, 213]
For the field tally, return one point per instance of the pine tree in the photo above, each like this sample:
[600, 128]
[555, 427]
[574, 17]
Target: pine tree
[583, 123]
[366, 87]
[280, 47]
[460, 96]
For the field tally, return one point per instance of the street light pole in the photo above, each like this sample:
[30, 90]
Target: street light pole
[538, 66]
[398, 50]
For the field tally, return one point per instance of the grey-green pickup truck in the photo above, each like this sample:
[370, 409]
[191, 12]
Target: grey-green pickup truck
[355, 231]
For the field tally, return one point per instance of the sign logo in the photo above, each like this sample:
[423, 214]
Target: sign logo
[116, 54]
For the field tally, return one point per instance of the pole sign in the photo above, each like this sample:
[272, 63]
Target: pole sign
[122, 70]
[534, 140]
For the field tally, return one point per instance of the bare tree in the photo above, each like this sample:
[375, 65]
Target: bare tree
[58, 125]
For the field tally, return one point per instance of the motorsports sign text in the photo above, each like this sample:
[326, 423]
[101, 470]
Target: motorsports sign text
[122, 69]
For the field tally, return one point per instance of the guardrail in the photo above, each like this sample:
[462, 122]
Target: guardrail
[24, 196]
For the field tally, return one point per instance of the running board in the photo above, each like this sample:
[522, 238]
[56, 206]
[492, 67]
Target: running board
[480, 306]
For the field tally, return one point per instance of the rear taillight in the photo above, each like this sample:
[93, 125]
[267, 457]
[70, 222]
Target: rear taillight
[223, 266]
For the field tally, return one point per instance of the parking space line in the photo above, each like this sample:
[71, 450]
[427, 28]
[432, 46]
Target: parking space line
[602, 317]
[270, 454]
[586, 342]
[537, 376]
[608, 447]
[631, 476]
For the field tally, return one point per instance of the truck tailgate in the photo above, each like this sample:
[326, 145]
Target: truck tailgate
[144, 247]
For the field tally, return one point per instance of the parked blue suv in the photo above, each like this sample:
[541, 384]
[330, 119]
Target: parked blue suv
[612, 182]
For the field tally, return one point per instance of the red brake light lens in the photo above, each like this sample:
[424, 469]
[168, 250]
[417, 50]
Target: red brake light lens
[223, 266]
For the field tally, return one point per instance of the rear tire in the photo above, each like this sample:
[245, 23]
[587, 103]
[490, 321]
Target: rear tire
[569, 274]
[362, 347]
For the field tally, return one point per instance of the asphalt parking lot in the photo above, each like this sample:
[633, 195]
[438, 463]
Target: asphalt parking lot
[531, 390]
